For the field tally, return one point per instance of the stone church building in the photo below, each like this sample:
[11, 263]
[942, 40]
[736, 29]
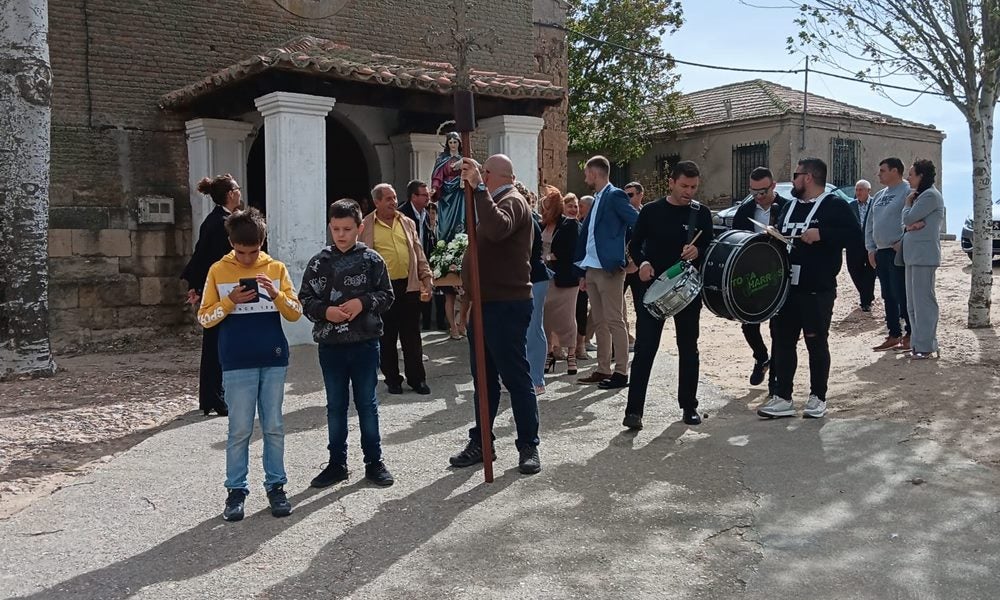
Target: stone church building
[303, 101]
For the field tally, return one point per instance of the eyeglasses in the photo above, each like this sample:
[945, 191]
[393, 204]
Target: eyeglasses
[630, 194]
[425, 194]
[762, 192]
[796, 174]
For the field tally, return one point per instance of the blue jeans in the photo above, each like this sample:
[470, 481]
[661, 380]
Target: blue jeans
[351, 365]
[250, 391]
[505, 327]
[537, 343]
[892, 280]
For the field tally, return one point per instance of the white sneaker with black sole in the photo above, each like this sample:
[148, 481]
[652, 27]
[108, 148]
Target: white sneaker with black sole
[815, 408]
[776, 407]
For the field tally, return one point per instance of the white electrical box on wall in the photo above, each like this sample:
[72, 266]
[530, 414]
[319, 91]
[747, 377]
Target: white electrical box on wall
[156, 209]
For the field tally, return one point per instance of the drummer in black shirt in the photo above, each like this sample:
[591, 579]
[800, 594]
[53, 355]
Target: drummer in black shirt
[821, 226]
[660, 238]
[763, 206]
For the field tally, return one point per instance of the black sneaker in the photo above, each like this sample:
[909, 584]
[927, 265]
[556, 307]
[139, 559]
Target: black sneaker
[528, 462]
[280, 506]
[332, 474]
[396, 388]
[234, 505]
[633, 422]
[472, 454]
[759, 371]
[378, 474]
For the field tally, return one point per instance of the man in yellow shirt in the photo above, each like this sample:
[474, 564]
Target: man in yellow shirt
[394, 237]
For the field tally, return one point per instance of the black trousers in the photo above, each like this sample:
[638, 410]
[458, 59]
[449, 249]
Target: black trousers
[582, 301]
[862, 273]
[402, 322]
[809, 314]
[433, 308]
[648, 330]
[751, 333]
[210, 392]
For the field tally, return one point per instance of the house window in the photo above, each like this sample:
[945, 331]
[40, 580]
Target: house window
[664, 163]
[746, 158]
[621, 174]
[845, 167]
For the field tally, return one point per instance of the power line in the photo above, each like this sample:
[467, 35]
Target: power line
[666, 57]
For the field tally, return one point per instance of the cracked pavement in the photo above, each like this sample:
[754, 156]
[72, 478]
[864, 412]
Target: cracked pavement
[736, 508]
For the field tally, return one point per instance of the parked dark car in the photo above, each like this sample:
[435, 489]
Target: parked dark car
[722, 220]
[967, 232]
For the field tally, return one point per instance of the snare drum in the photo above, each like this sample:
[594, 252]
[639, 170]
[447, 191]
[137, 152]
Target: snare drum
[668, 296]
[746, 276]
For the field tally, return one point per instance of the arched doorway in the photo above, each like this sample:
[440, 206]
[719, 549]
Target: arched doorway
[346, 169]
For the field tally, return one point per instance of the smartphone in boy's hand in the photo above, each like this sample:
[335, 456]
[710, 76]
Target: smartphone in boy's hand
[250, 283]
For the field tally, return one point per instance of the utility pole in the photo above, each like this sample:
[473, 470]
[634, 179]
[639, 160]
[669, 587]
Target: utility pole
[805, 107]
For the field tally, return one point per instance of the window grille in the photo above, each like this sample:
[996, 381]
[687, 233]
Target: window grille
[845, 163]
[746, 158]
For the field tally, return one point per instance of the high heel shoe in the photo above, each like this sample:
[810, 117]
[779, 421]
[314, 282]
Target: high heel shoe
[571, 363]
[550, 363]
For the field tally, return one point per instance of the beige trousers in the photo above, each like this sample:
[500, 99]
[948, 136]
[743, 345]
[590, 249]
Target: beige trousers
[606, 302]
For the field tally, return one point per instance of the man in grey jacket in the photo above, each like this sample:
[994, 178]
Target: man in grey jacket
[883, 231]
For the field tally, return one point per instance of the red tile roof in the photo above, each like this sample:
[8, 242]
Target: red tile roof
[758, 98]
[325, 58]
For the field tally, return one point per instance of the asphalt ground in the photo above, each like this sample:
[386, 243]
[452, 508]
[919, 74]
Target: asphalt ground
[735, 508]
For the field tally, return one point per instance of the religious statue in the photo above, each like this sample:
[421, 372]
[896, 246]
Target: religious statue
[447, 191]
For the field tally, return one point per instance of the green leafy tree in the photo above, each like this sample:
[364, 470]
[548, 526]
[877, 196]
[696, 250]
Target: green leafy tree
[953, 47]
[621, 90]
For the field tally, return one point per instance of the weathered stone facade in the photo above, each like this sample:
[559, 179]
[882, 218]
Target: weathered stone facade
[112, 144]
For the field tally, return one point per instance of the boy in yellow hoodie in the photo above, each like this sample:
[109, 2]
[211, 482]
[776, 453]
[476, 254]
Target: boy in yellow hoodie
[242, 298]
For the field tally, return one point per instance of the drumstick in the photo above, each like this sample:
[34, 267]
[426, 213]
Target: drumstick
[695, 238]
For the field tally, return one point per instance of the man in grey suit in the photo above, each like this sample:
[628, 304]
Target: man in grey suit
[862, 272]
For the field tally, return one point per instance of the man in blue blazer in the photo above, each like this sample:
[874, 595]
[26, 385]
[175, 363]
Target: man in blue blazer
[600, 253]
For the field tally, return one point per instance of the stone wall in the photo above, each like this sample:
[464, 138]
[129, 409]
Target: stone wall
[111, 144]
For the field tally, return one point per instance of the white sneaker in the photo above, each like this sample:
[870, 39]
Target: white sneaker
[815, 408]
[776, 407]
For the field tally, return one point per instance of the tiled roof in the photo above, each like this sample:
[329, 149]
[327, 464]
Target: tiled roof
[759, 98]
[326, 58]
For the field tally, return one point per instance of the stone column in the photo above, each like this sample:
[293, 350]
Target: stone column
[295, 171]
[414, 155]
[517, 137]
[215, 147]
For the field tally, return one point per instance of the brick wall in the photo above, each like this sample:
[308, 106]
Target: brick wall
[113, 60]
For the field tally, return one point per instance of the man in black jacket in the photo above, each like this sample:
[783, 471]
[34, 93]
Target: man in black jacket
[663, 235]
[763, 206]
[415, 207]
[823, 225]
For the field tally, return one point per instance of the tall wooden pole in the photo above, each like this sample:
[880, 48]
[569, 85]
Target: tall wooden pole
[478, 345]
[465, 122]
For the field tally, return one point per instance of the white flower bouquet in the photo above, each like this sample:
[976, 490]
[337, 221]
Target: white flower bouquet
[446, 260]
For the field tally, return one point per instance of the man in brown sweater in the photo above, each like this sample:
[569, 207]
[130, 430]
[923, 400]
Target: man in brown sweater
[505, 233]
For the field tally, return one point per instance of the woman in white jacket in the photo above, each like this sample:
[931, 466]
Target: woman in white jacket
[923, 213]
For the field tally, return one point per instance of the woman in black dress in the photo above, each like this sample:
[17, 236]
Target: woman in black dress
[213, 244]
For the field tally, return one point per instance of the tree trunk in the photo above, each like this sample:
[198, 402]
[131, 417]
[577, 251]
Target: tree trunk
[25, 115]
[981, 135]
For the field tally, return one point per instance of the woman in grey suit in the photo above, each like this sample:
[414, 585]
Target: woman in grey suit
[923, 212]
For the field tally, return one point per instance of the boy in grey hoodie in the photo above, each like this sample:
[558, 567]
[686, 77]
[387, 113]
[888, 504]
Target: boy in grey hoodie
[345, 290]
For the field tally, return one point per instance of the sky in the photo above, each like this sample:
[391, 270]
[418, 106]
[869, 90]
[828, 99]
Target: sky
[726, 32]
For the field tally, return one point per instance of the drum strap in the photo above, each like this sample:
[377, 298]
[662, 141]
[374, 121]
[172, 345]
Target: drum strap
[693, 219]
[786, 230]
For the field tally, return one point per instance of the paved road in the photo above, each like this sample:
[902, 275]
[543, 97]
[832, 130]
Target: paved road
[737, 508]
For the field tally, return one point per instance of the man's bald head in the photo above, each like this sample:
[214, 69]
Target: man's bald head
[498, 170]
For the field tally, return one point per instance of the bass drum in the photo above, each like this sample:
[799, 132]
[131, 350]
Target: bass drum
[745, 276]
